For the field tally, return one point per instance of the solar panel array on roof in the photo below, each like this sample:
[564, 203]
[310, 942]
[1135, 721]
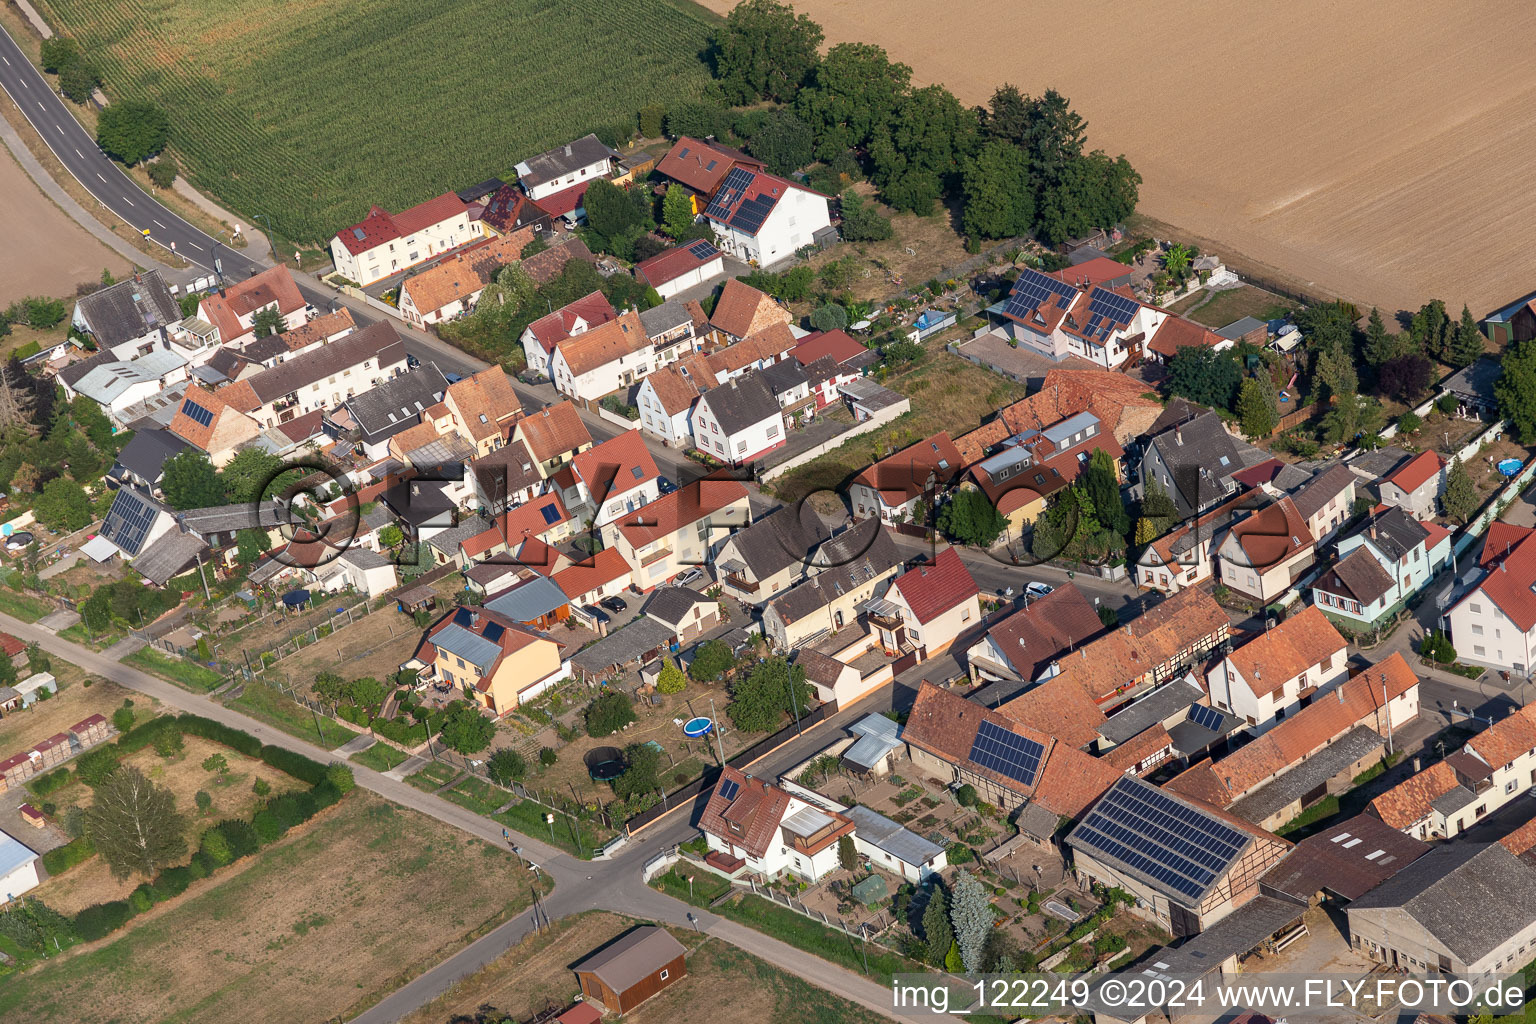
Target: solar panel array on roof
[1033, 289]
[196, 413]
[729, 788]
[463, 617]
[1108, 310]
[128, 521]
[1168, 842]
[551, 514]
[751, 214]
[730, 190]
[1007, 753]
[702, 250]
[1209, 717]
[493, 631]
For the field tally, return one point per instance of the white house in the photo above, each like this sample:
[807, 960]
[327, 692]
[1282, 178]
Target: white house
[383, 244]
[1326, 501]
[1280, 670]
[602, 360]
[612, 480]
[1050, 315]
[451, 288]
[233, 309]
[894, 847]
[754, 826]
[934, 603]
[1390, 559]
[1417, 484]
[764, 219]
[540, 337]
[667, 398]
[116, 386]
[1262, 555]
[18, 867]
[892, 487]
[739, 421]
[1494, 624]
[576, 163]
[681, 267]
[130, 317]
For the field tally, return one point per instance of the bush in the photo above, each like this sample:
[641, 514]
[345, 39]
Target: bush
[101, 919]
[506, 766]
[1446, 404]
[966, 795]
[54, 780]
[61, 858]
[1408, 422]
[261, 787]
[340, 776]
[166, 739]
[140, 899]
[95, 765]
[122, 718]
[197, 867]
[174, 881]
[266, 826]
[547, 756]
[203, 801]
[214, 847]
[608, 714]
[163, 172]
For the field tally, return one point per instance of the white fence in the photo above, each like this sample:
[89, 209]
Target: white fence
[613, 417]
[875, 422]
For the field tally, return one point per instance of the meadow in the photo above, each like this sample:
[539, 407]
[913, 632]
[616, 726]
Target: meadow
[309, 112]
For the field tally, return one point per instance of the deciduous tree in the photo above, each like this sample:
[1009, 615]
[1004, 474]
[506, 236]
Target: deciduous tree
[134, 825]
[784, 142]
[856, 91]
[133, 130]
[677, 211]
[772, 689]
[1205, 376]
[765, 51]
[63, 506]
[506, 766]
[712, 660]
[971, 518]
[1515, 389]
[642, 773]
[608, 713]
[862, 222]
[190, 481]
[999, 199]
[467, 730]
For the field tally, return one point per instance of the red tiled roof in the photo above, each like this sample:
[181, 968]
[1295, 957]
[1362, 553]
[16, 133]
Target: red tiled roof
[671, 512]
[1502, 540]
[837, 344]
[1409, 801]
[1071, 780]
[380, 226]
[1507, 739]
[742, 310]
[759, 186]
[511, 207]
[757, 808]
[671, 264]
[1417, 470]
[521, 522]
[1175, 333]
[1280, 654]
[11, 646]
[224, 308]
[1051, 625]
[1272, 535]
[905, 474]
[1261, 473]
[1059, 707]
[932, 588]
[553, 431]
[1509, 586]
[552, 328]
[700, 165]
[615, 467]
[1126, 756]
[1098, 270]
[567, 200]
[604, 344]
[585, 576]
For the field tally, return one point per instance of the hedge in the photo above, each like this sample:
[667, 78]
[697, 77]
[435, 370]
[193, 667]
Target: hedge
[54, 780]
[218, 732]
[297, 765]
[61, 858]
[101, 919]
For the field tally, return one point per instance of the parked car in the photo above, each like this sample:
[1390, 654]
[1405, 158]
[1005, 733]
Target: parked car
[688, 577]
[597, 615]
[614, 604]
[1038, 589]
[453, 378]
[412, 361]
[665, 485]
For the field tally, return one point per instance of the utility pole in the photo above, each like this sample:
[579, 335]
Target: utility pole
[1386, 706]
[718, 744]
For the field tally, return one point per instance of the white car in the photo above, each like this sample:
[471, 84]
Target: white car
[1038, 589]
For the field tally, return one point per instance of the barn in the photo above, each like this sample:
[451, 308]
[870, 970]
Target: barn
[632, 968]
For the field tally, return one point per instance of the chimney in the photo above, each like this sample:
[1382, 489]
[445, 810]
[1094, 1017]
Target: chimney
[1416, 766]
[1178, 435]
[1373, 531]
[1340, 692]
[567, 149]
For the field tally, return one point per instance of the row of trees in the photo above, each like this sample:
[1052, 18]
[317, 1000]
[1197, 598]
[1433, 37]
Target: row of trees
[1018, 165]
[191, 481]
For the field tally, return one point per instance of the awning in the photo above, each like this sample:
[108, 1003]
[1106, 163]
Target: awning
[99, 548]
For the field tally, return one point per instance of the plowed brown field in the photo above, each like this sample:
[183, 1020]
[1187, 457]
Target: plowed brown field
[1381, 151]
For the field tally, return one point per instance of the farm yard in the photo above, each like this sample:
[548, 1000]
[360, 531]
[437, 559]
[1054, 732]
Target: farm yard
[331, 113]
[315, 927]
[1415, 159]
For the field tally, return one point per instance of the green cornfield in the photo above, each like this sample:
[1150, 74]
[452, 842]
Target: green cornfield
[310, 111]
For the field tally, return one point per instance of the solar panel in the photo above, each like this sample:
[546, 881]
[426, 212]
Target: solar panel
[550, 513]
[128, 521]
[1007, 753]
[1033, 289]
[493, 631]
[729, 192]
[1209, 717]
[729, 788]
[752, 213]
[463, 617]
[702, 250]
[1108, 310]
[196, 413]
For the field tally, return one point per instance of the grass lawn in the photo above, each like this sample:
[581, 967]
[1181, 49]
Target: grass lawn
[432, 776]
[724, 985]
[262, 702]
[285, 129]
[318, 927]
[381, 757]
[186, 674]
[23, 606]
[528, 818]
[1224, 307]
[478, 795]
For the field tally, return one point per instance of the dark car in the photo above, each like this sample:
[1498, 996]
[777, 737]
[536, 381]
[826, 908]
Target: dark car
[664, 485]
[412, 361]
[453, 378]
[615, 604]
[597, 616]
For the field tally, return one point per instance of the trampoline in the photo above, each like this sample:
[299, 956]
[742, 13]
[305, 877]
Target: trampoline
[604, 764]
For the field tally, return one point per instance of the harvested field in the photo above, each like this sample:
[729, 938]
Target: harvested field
[1366, 154]
[52, 253]
[317, 927]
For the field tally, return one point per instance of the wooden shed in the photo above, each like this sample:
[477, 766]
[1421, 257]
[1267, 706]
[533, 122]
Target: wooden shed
[632, 968]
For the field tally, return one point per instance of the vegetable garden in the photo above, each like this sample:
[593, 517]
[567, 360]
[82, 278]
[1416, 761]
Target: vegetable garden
[308, 113]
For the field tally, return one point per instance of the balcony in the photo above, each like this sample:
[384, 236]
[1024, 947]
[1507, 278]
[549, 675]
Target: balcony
[739, 582]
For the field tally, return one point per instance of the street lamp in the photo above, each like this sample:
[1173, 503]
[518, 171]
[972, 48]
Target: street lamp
[271, 239]
[549, 819]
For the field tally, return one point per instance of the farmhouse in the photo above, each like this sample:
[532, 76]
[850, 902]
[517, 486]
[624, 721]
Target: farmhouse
[383, 244]
[274, 348]
[681, 267]
[540, 337]
[128, 318]
[763, 219]
[116, 386]
[631, 969]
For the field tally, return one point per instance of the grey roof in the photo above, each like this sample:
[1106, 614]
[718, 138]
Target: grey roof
[1469, 896]
[1474, 383]
[230, 518]
[145, 455]
[228, 362]
[852, 558]
[1161, 704]
[1191, 737]
[1074, 424]
[1350, 858]
[473, 648]
[870, 395]
[632, 957]
[379, 341]
[884, 834]
[1394, 532]
[107, 382]
[263, 349]
[129, 309]
[507, 470]
[155, 411]
[130, 518]
[1377, 464]
[1452, 800]
[1201, 458]
[624, 646]
[785, 375]
[362, 558]
[1321, 489]
[546, 167]
[72, 374]
[448, 541]
[742, 402]
[877, 736]
[665, 318]
[672, 604]
[419, 502]
[386, 410]
[1359, 574]
[529, 600]
[1308, 774]
[171, 554]
[1290, 477]
[1238, 328]
[788, 535]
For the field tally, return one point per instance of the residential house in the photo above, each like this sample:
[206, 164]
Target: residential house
[1031, 466]
[1120, 403]
[483, 408]
[141, 463]
[612, 480]
[667, 397]
[451, 288]
[742, 311]
[771, 555]
[1124, 842]
[740, 421]
[505, 478]
[321, 378]
[1280, 670]
[1494, 623]
[380, 413]
[1057, 319]
[321, 566]
[770, 345]
[133, 522]
[824, 380]
[681, 529]
[598, 576]
[1316, 752]
[764, 219]
[1263, 554]
[544, 518]
[845, 572]
[791, 387]
[128, 318]
[233, 308]
[1186, 555]
[669, 327]
[540, 337]
[609, 357]
[535, 601]
[687, 613]
[631, 969]
[383, 244]
[554, 435]
[117, 386]
[1022, 646]
[1176, 333]
[681, 267]
[544, 267]
[892, 487]
[1391, 558]
[509, 210]
[1327, 501]
[934, 603]
[754, 826]
[1416, 485]
[558, 179]
[1195, 463]
[497, 663]
[1463, 908]
[895, 848]
[700, 167]
[274, 348]
[851, 356]
[1009, 764]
